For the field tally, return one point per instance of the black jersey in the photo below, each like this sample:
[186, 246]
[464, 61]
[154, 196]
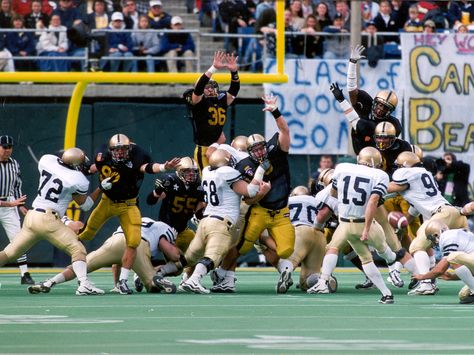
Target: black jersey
[278, 175]
[389, 156]
[180, 202]
[126, 176]
[208, 118]
[363, 135]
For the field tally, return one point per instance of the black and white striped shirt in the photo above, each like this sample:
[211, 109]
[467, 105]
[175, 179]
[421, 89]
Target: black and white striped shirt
[10, 179]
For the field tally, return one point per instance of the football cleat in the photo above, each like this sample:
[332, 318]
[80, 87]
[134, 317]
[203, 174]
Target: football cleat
[115, 289]
[163, 284]
[467, 299]
[464, 292]
[284, 282]
[138, 283]
[395, 279]
[39, 288]
[332, 284]
[366, 285]
[215, 278]
[322, 286]
[413, 284]
[387, 299]
[123, 288]
[88, 288]
[26, 279]
[425, 288]
[193, 286]
[226, 286]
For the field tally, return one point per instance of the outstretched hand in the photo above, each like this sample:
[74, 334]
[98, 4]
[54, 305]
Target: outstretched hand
[337, 92]
[232, 62]
[270, 103]
[219, 61]
[171, 164]
[356, 52]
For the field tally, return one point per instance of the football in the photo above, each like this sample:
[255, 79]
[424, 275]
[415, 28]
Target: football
[397, 220]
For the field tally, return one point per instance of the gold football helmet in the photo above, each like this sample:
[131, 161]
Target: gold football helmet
[325, 177]
[240, 143]
[212, 88]
[433, 231]
[187, 170]
[407, 160]
[385, 102]
[74, 158]
[119, 146]
[418, 151]
[257, 147]
[299, 191]
[219, 158]
[384, 135]
[370, 157]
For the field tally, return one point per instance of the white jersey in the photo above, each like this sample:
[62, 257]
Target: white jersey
[152, 231]
[456, 240]
[302, 210]
[423, 193]
[324, 197]
[237, 154]
[355, 184]
[221, 200]
[57, 184]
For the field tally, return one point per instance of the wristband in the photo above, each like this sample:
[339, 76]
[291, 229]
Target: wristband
[353, 61]
[212, 69]
[161, 167]
[234, 75]
[276, 113]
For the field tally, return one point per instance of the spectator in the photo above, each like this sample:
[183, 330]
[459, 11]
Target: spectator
[386, 21]
[263, 5]
[99, 18]
[400, 12]
[429, 27]
[413, 24]
[296, 9]
[269, 32]
[452, 177]
[37, 18]
[307, 8]
[310, 45]
[342, 8]
[131, 15]
[6, 14]
[462, 29]
[53, 44]
[21, 44]
[120, 45]
[158, 18]
[325, 162]
[375, 51]
[460, 13]
[146, 44]
[322, 15]
[336, 47]
[6, 61]
[175, 45]
[330, 4]
[235, 14]
[438, 16]
[369, 10]
[68, 14]
[143, 6]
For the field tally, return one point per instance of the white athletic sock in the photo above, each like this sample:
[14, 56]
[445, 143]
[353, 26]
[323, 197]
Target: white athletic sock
[374, 275]
[422, 261]
[285, 264]
[432, 261]
[169, 268]
[466, 276]
[329, 264]
[57, 279]
[23, 268]
[199, 272]
[388, 255]
[80, 269]
[410, 265]
[124, 273]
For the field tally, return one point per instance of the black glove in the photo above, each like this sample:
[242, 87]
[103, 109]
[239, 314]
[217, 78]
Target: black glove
[337, 92]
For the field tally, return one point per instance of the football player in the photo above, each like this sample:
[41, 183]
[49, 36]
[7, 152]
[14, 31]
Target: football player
[208, 105]
[182, 196]
[61, 181]
[121, 166]
[358, 189]
[457, 250]
[417, 186]
[271, 213]
[155, 237]
[224, 188]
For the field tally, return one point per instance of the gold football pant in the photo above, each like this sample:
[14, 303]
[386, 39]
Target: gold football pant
[41, 224]
[278, 225]
[200, 157]
[390, 235]
[449, 215]
[128, 213]
[111, 253]
[398, 203]
[184, 238]
[310, 246]
[462, 258]
[213, 240]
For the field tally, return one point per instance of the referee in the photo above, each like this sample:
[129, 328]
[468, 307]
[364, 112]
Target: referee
[11, 197]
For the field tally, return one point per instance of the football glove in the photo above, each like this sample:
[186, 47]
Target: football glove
[106, 184]
[356, 53]
[337, 92]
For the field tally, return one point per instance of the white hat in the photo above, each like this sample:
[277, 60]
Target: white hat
[117, 16]
[176, 19]
[155, 3]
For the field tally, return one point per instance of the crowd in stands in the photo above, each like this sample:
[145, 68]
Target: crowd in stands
[315, 29]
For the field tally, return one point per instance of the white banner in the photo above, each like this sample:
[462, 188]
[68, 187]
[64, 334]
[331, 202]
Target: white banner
[316, 121]
[439, 107]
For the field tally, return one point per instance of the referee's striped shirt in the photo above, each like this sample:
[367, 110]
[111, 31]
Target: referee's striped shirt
[10, 179]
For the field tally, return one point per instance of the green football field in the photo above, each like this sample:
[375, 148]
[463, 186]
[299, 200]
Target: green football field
[253, 321]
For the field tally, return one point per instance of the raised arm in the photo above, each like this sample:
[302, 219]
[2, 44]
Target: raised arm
[356, 55]
[217, 63]
[349, 112]
[284, 136]
[234, 77]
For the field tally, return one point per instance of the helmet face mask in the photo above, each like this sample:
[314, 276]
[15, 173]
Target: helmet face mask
[187, 171]
[74, 158]
[325, 177]
[257, 147]
[385, 102]
[119, 147]
[385, 135]
[211, 89]
[433, 231]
